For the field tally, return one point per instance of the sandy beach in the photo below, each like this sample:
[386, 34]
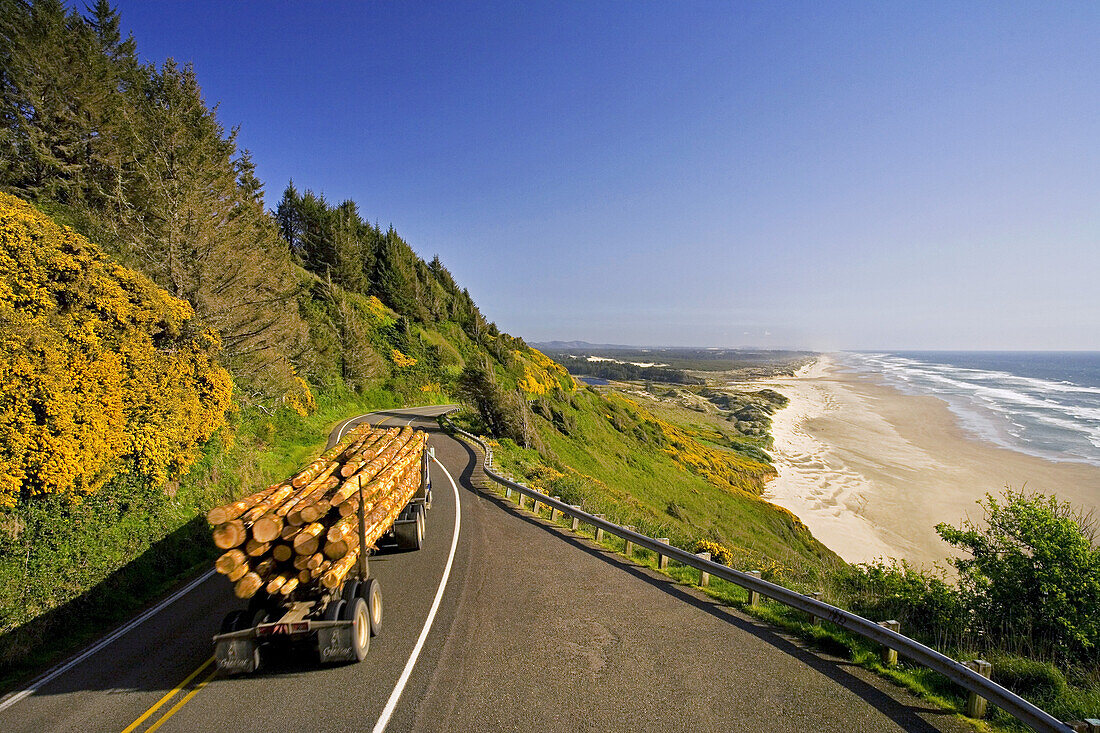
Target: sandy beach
[871, 470]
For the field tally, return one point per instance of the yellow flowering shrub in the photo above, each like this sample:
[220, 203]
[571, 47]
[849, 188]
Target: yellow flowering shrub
[300, 398]
[723, 468]
[376, 310]
[98, 364]
[718, 553]
[401, 360]
[541, 374]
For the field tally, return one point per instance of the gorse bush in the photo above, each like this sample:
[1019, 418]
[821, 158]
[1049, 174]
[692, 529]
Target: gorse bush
[718, 553]
[98, 363]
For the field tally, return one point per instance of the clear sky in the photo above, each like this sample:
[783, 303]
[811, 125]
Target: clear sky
[820, 175]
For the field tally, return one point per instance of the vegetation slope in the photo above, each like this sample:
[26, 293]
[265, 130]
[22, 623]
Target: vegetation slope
[168, 343]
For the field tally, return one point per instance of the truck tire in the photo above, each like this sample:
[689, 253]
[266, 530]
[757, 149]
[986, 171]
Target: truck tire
[351, 592]
[234, 621]
[421, 525]
[358, 614]
[332, 611]
[371, 592]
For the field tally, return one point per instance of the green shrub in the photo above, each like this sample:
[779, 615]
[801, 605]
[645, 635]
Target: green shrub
[927, 607]
[1033, 575]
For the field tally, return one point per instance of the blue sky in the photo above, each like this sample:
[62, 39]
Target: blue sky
[821, 175]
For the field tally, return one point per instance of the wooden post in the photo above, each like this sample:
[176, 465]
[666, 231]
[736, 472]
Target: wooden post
[629, 549]
[704, 576]
[1088, 725]
[754, 596]
[507, 492]
[975, 704]
[662, 560]
[554, 510]
[599, 530]
[535, 505]
[890, 656]
[576, 520]
[814, 619]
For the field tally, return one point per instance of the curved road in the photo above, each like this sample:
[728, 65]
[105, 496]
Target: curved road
[512, 624]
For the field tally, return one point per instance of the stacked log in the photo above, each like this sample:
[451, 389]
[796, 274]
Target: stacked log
[302, 535]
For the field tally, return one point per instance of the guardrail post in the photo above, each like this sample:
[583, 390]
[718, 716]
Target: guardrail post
[535, 504]
[814, 620]
[890, 656]
[704, 576]
[1089, 725]
[662, 560]
[754, 596]
[576, 520]
[599, 530]
[507, 492]
[521, 499]
[629, 549]
[554, 510]
[975, 704]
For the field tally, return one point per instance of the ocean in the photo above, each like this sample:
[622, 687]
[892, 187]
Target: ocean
[1042, 403]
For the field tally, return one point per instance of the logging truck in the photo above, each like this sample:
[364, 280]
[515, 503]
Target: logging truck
[338, 620]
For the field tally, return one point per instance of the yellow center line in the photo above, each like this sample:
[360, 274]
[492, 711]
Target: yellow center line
[172, 711]
[178, 688]
[171, 693]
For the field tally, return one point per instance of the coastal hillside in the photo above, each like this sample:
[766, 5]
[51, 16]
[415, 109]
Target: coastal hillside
[170, 343]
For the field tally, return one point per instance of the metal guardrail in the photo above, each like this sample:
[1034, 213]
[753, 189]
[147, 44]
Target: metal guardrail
[970, 680]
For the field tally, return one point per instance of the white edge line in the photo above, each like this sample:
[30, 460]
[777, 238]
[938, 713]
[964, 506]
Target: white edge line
[66, 666]
[14, 697]
[38, 682]
[391, 703]
[348, 422]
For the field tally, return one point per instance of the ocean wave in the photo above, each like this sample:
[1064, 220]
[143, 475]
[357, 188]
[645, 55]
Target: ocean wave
[1055, 418]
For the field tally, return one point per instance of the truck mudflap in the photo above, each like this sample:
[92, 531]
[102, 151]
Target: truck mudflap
[238, 654]
[335, 642]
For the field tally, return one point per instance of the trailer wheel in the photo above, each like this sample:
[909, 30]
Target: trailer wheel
[234, 621]
[360, 629]
[351, 592]
[332, 611]
[420, 521]
[371, 592]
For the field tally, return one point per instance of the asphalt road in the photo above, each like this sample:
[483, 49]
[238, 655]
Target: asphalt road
[514, 624]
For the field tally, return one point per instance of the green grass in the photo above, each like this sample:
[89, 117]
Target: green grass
[621, 473]
[69, 572]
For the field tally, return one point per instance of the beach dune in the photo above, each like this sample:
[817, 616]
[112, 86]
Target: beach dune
[871, 470]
